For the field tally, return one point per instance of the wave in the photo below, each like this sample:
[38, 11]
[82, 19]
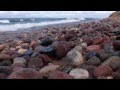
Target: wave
[4, 21]
[14, 27]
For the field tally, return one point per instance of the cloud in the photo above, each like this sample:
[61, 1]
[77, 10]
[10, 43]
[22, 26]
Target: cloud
[66, 14]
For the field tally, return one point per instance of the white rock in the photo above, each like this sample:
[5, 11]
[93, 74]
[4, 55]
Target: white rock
[79, 48]
[48, 69]
[21, 51]
[75, 57]
[19, 60]
[84, 45]
[79, 73]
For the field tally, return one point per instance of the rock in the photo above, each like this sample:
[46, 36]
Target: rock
[79, 73]
[116, 45]
[103, 71]
[97, 40]
[33, 43]
[35, 63]
[6, 69]
[102, 77]
[46, 59]
[75, 57]
[35, 54]
[113, 61]
[26, 73]
[4, 57]
[68, 37]
[21, 51]
[26, 57]
[110, 77]
[46, 41]
[61, 50]
[47, 69]
[91, 54]
[19, 60]
[94, 61]
[79, 48]
[49, 50]
[38, 48]
[3, 76]
[84, 45]
[28, 52]
[2, 46]
[92, 48]
[116, 75]
[5, 63]
[59, 75]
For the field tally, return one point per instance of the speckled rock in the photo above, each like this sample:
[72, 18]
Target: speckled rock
[113, 61]
[103, 71]
[94, 61]
[79, 73]
[75, 57]
[19, 60]
[35, 63]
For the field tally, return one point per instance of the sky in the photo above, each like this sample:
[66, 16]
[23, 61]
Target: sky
[55, 14]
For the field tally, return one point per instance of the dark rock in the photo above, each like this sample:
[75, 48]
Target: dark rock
[28, 52]
[91, 54]
[68, 37]
[6, 69]
[35, 54]
[5, 63]
[3, 76]
[116, 45]
[94, 61]
[46, 41]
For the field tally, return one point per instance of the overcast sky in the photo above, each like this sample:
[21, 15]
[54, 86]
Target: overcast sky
[55, 14]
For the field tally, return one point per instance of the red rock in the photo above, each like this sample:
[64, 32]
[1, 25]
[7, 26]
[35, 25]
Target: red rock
[97, 40]
[45, 59]
[59, 75]
[35, 63]
[68, 37]
[92, 48]
[22, 73]
[103, 71]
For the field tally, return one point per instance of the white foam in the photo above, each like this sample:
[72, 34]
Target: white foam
[4, 21]
[15, 27]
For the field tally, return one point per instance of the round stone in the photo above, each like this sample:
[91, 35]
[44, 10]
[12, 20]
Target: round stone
[79, 73]
[22, 51]
[19, 60]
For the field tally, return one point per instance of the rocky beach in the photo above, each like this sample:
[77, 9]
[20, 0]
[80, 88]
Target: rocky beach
[88, 50]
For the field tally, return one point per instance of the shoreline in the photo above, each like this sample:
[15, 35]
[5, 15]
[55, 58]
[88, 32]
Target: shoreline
[64, 51]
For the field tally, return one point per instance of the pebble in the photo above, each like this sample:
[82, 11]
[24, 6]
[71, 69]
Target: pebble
[19, 60]
[48, 68]
[5, 63]
[21, 51]
[2, 46]
[92, 48]
[28, 52]
[79, 48]
[116, 45]
[4, 57]
[75, 57]
[79, 73]
[46, 41]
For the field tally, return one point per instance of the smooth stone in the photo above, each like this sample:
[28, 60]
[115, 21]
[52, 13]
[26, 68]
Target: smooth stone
[35, 63]
[84, 45]
[79, 73]
[19, 60]
[94, 61]
[38, 48]
[49, 68]
[79, 48]
[46, 41]
[92, 48]
[28, 52]
[5, 63]
[22, 51]
[3, 76]
[22, 73]
[116, 45]
[91, 54]
[103, 71]
[35, 54]
[113, 61]
[4, 57]
[2, 46]
[75, 57]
